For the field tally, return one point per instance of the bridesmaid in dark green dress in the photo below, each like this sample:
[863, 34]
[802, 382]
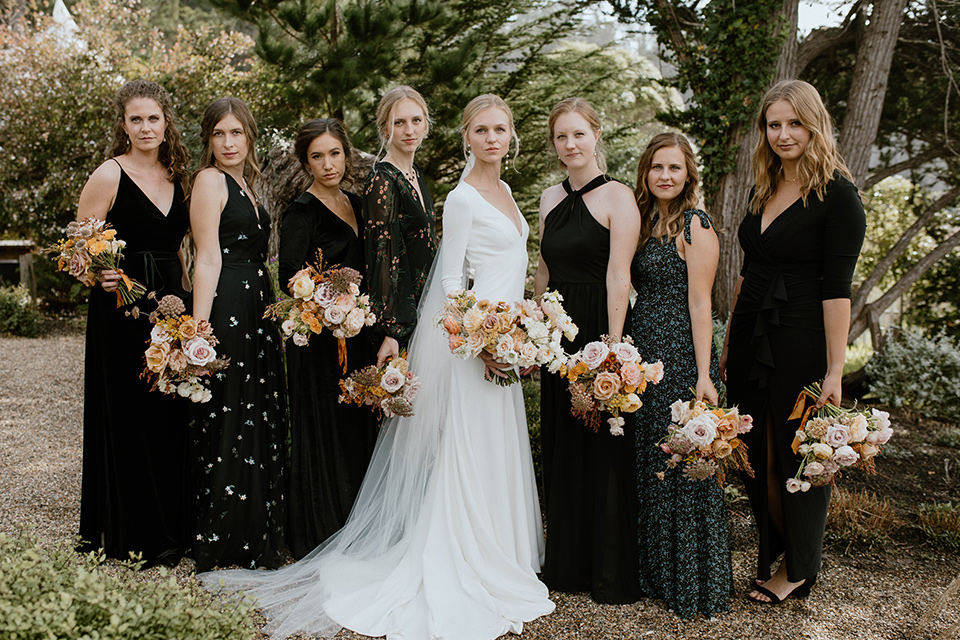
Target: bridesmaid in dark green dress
[683, 530]
[401, 238]
[240, 435]
[330, 442]
[801, 240]
[588, 234]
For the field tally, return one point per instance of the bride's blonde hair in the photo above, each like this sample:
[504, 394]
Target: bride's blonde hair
[821, 157]
[486, 101]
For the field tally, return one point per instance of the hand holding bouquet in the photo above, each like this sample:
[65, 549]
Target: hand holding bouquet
[704, 438]
[323, 299]
[391, 387]
[831, 438]
[181, 351]
[90, 248]
[608, 376]
[524, 334]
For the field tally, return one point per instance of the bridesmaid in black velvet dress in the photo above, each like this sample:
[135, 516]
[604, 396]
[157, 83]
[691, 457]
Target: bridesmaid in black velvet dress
[401, 235]
[589, 228]
[135, 496]
[239, 436]
[789, 324]
[330, 442]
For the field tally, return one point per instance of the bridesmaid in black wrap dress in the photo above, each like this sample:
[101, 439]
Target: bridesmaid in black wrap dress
[589, 227]
[330, 442]
[134, 496]
[790, 320]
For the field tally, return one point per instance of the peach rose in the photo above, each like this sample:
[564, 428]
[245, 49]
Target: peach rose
[632, 374]
[721, 448]
[157, 355]
[451, 325]
[454, 341]
[867, 451]
[653, 372]
[606, 385]
[177, 361]
[188, 329]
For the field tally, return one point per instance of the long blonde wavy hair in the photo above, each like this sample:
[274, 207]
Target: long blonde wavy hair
[585, 109]
[821, 157]
[671, 224]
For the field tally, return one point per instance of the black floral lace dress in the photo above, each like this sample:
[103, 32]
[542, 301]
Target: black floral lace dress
[240, 435]
[401, 242]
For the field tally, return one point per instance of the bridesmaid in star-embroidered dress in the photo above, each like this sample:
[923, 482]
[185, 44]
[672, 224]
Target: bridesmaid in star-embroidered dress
[239, 436]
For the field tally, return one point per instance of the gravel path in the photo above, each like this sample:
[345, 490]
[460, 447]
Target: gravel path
[880, 595]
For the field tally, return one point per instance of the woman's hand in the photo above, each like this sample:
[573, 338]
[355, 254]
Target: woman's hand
[389, 348]
[831, 390]
[110, 279]
[493, 368]
[706, 390]
[528, 370]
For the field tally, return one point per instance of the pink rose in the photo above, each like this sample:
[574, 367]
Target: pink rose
[845, 456]
[346, 303]
[490, 322]
[334, 315]
[625, 352]
[392, 380]
[653, 372]
[632, 374]
[813, 469]
[199, 352]
[793, 485]
[177, 361]
[79, 263]
[594, 353]
[301, 339]
[413, 386]
[746, 423]
[837, 435]
[606, 385]
[701, 430]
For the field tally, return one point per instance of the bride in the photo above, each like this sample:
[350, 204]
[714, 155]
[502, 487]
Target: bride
[445, 538]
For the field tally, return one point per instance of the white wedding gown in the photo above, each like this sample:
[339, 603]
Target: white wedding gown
[445, 539]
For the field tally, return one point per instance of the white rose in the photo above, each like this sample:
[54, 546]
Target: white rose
[626, 352]
[392, 380]
[701, 430]
[354, 321]
[160, 334]
[334, 314]
[594, 353]
[303, 288]
[883, 418]
[300, 339]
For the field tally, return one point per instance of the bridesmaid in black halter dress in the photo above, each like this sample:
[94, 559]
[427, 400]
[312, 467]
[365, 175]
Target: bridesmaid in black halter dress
[589, 227]
[134, 496]
[240, 435]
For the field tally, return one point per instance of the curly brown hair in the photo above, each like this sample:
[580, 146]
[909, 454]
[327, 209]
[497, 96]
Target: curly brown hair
[689, 198]
[173, 153]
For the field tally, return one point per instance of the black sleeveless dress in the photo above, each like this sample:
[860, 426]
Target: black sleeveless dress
[589, 479]
[134, 495]
[684, 536]
[330, 442]
[240, 435]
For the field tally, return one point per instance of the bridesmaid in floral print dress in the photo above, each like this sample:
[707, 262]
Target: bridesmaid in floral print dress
[239, 436]
[401, 236]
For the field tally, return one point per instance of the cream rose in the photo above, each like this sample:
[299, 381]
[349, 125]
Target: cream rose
[721, 448]
[157, 355]
[631, 402]
[346, 303]
[354, 321]
[867, 451]
[653, 372]
[334, 315]
[303, 287]
[821, 450]
[606, 385]
[472, 320]
[625, 352]
[594, 353]
[177, 361]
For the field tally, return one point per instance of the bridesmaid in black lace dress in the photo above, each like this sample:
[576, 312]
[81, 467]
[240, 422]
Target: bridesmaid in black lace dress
[684, 535]
[401, 238]
[588, 234]
[330, 442]
[790, 319]
[240, 435]
[134, 496]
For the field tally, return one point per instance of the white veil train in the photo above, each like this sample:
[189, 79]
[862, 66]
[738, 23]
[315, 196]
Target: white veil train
[362, 564]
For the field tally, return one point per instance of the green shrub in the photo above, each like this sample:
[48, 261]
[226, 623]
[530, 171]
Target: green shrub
[860, 518]
[56, 593]
[19, 313]
[949, 437]
[940, 523]
[918, 373]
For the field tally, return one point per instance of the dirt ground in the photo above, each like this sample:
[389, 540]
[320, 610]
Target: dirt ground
[879, 592]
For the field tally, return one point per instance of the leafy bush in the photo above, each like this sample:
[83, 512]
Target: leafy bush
[940, 522]
[949, 438]
[56, 593]
[918, 373]
[19, 313]
[860, 518]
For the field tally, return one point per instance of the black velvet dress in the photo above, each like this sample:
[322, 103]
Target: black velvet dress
[684, 535]
[589, 479]
[401, 242]
[240, 435]
[777, 346]
[330, 442]
[134, 495]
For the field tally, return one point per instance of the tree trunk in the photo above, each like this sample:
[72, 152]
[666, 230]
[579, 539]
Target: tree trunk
[869, 86]
[787, 63]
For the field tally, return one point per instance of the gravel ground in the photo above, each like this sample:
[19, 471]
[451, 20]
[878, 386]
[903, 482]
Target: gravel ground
[877, 595]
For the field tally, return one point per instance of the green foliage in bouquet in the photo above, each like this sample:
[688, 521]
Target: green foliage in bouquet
[19, 314]
[56, 593]
[919, 373]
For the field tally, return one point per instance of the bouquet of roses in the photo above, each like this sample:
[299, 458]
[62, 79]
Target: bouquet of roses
[323, 299]
[704, 438]
[90, 247]
[832, 438]
[391, 387]
[524, 334]
[608, 376]
[181, 351]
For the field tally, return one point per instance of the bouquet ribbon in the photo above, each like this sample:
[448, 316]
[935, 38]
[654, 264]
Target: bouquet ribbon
[802, 411]
[124, 281]
[342, 353]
